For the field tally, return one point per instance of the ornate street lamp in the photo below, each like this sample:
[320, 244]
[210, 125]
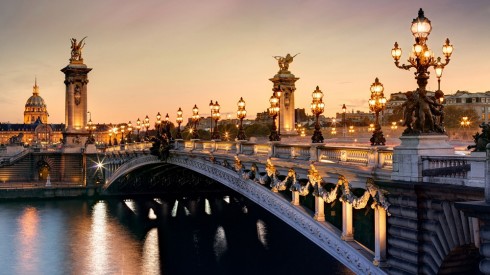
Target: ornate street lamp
[344, 129]
[110, 135]
[278, 95]
[130, 132]
[195, 120]
[351, 129]
[90, 128]
[147, 126]
[215, 115]
[158, 124]
[167, 127]
[114, 130]
[377, 104]
[273, 112]
[122, 134]
[371, 127]
[422, 58]
[179, 120]
[317, 107]
[241, 113]
[138, 128]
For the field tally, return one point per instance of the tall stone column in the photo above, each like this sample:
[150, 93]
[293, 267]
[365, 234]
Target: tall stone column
[284, 81]
[76, 80]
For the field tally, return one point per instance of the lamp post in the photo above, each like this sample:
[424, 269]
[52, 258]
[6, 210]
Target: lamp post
[215, 115]
[90, 127]
[273, 112]
[158, 124]
[241, 113]
[167, 127]
[138, 128]
[195, 120]
[317, 107]
[179, 120]
[130, 132]
[465, 123]
[422, 58]
[122, 134]
[344, 129]
[114, 130]
[278, 95]
[110, 135]
[377, 103]
[147, 126]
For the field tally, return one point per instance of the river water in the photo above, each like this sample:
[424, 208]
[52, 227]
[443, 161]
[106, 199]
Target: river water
[205, 234]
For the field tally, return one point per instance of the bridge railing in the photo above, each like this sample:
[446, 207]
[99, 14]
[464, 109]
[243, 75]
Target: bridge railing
[376, 157]
[455, 170]
[135, 146]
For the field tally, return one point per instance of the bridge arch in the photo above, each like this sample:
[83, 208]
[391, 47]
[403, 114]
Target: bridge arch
[318, 232]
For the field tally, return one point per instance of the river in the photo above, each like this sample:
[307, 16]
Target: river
[203, 234]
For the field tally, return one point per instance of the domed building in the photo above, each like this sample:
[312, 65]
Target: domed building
[35, 129]
[35, 107]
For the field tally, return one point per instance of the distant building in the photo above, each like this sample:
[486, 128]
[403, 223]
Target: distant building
[34, 129]
[480, 102]
[263, 117]
[356, 118]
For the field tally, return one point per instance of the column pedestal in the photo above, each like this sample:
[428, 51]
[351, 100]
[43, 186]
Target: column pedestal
[407, 165]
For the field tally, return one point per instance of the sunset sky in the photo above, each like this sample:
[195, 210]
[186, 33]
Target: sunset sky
[154, 56]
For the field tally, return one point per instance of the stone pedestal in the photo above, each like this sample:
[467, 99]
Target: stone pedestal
[407, 164]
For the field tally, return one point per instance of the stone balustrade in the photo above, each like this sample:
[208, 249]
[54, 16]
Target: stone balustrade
[455, 170]
[376, 157]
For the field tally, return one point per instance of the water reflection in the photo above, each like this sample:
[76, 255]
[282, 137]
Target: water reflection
[201, 235]
[28, 241]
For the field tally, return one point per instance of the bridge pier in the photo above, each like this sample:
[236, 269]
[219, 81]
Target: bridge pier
[347, 221]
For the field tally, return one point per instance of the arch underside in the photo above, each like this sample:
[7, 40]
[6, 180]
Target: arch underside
[165, 175]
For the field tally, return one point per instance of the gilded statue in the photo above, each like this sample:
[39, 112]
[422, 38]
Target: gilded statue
[284, 62]
[76, 49]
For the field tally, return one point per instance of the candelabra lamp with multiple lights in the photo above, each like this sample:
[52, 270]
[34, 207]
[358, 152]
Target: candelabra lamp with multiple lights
[167, 127]
[195, 121]
[147, 126]
[377, 104]
[317, 108]
[241, 113]
[130, 132]
[179, 120]
[138, 128]
[273, 112]
[421, 59]
[123, 127]
[215, 115]
[344, 126]
[158, 124]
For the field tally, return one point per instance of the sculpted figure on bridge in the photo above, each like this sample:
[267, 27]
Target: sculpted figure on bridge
[423, 114]
[76, 49]
[284, 62]
[282, 185]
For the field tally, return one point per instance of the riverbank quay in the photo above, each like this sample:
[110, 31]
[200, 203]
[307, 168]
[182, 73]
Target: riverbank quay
[30, 190]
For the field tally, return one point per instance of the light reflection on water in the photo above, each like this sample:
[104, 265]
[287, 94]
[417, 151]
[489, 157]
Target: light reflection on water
[190, 236]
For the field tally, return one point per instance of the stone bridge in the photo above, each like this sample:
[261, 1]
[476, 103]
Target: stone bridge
[347, 200]
[413, 227]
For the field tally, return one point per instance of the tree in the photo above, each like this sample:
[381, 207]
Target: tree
[257, 130]
[453, 116]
